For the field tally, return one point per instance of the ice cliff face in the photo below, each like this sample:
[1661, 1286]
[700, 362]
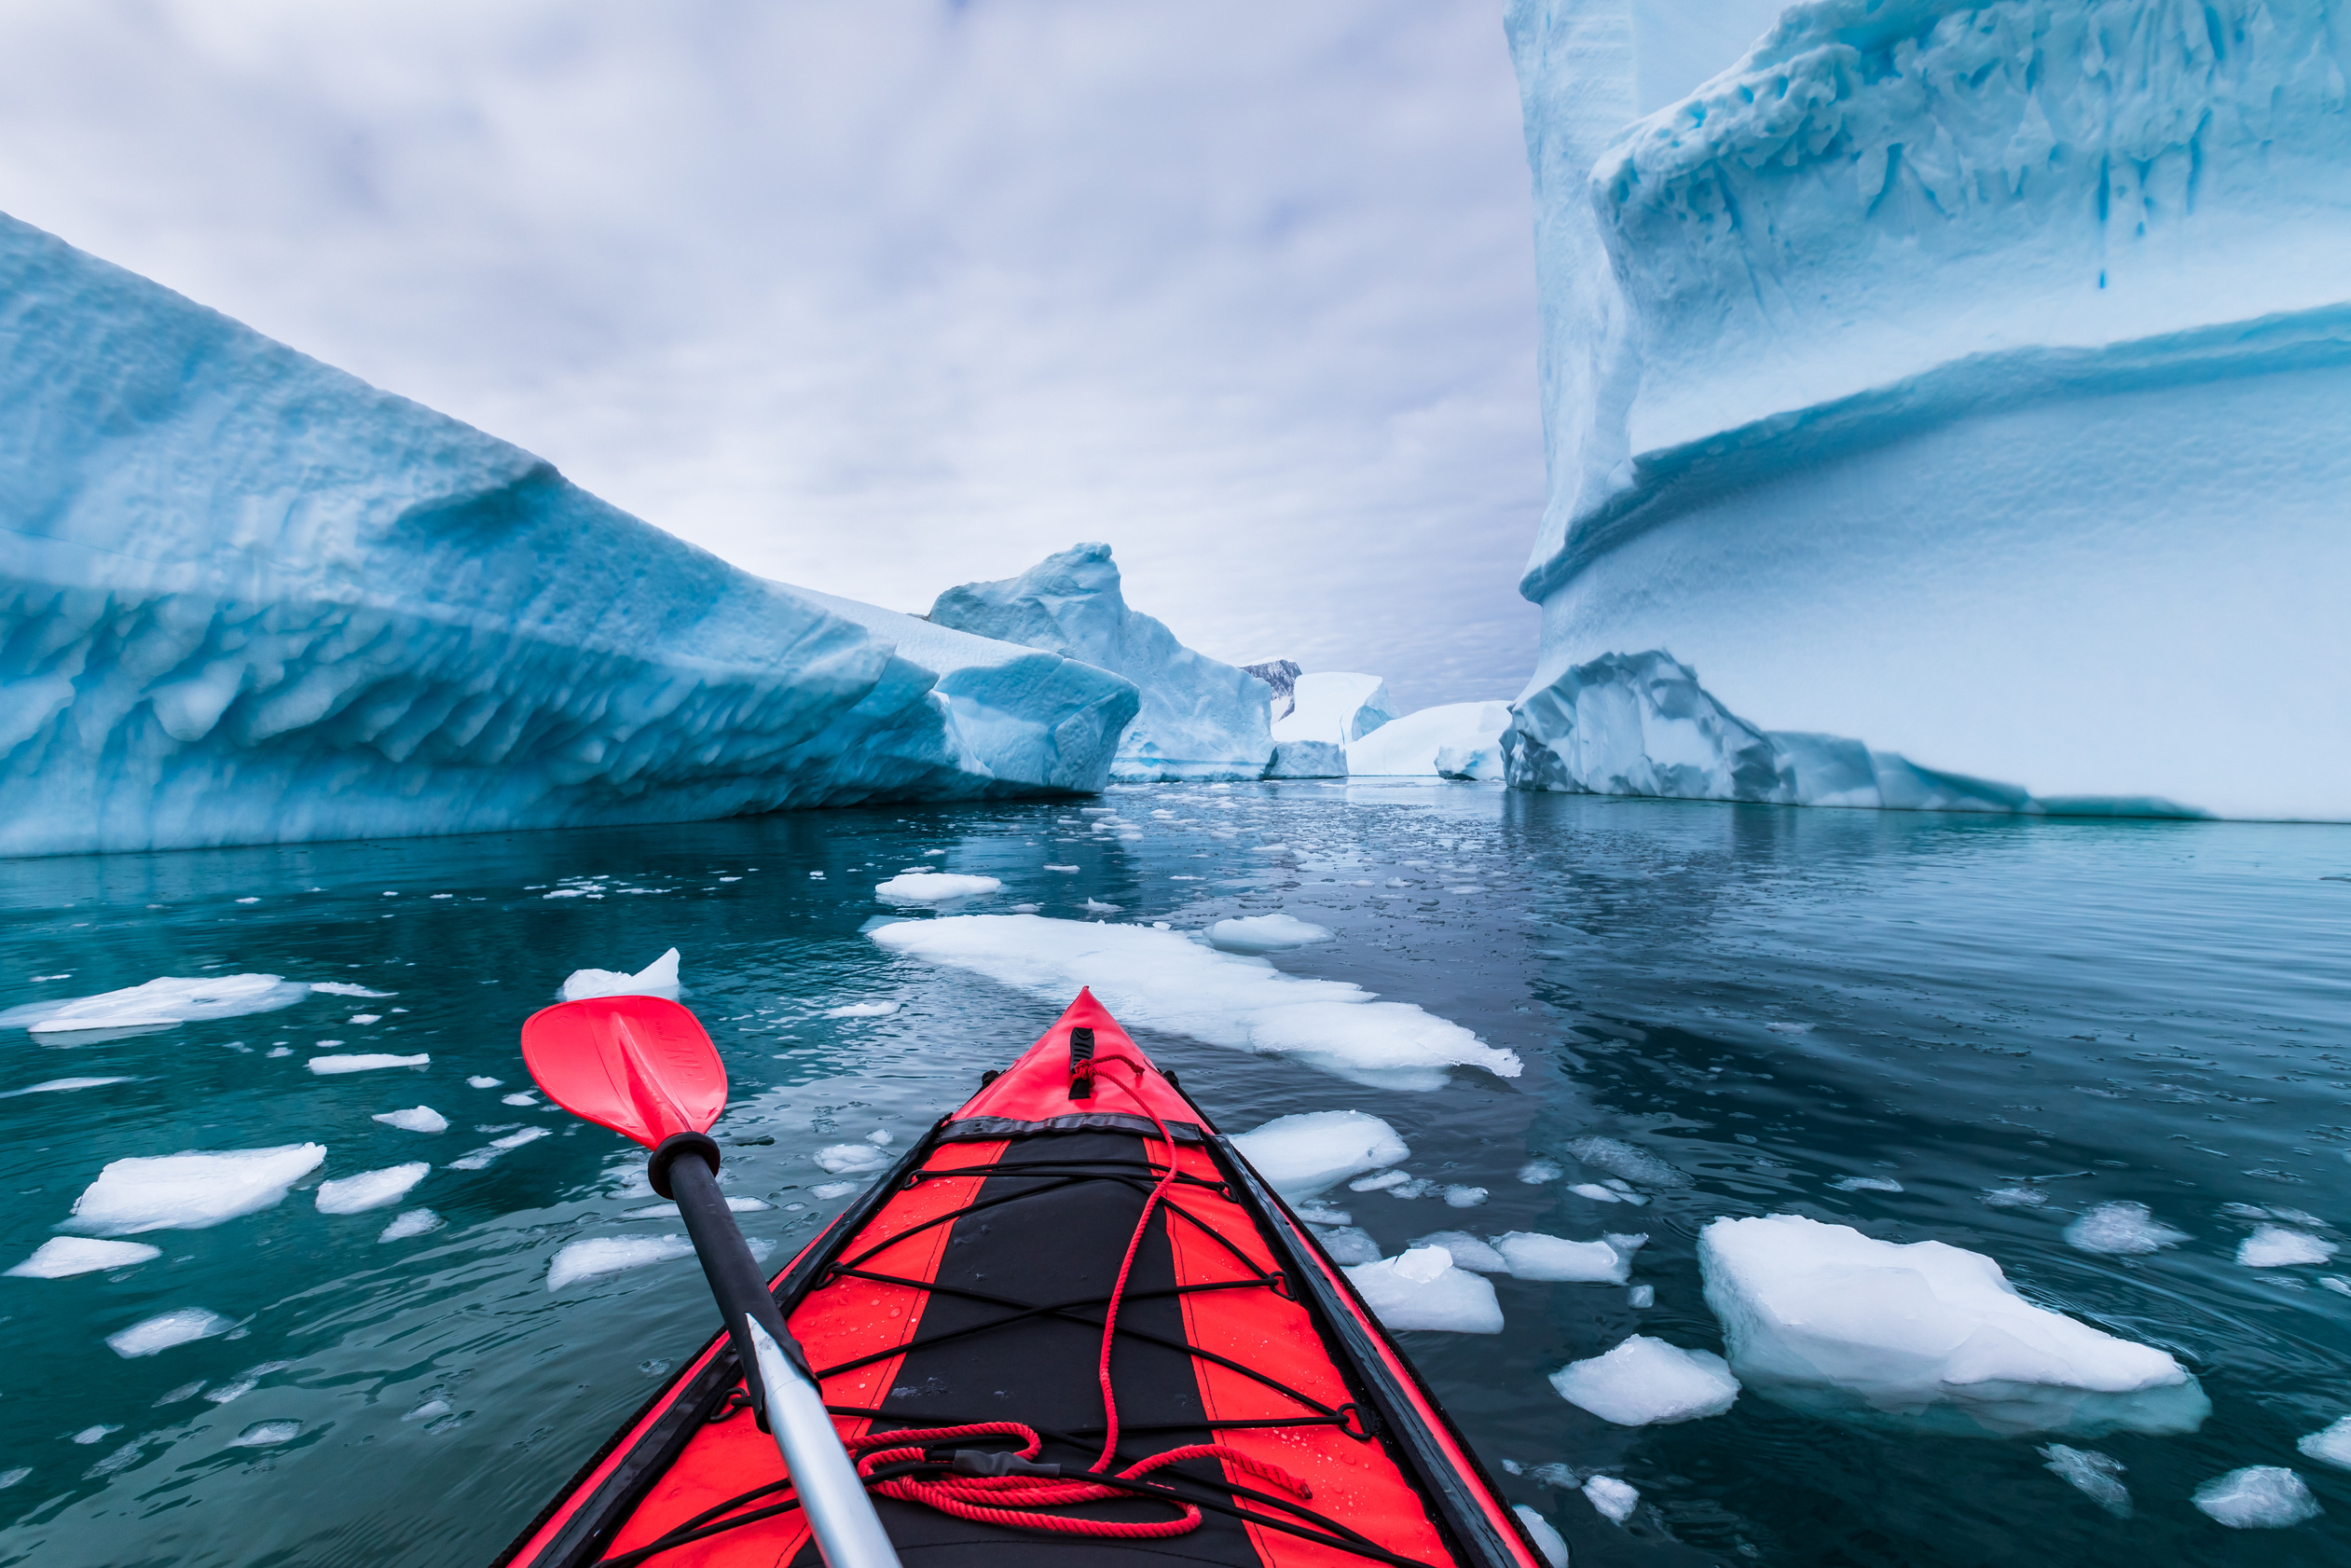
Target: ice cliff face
[248, 599]
[1199, 719]
[1961, 377]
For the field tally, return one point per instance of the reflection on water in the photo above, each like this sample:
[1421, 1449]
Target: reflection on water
[1776, 1001]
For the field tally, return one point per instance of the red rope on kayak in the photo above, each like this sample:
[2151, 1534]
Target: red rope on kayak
[1012, 1499]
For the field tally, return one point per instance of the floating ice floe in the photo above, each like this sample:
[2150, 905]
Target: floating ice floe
[521, 1097]
[1264, 933]
[1349, 1243]
[1642, 1297]
[2097, 1475]
[479, 1081]
[1163, 979]
[1534, 1256]
[1463, 1196]
[1866, 1184]
[656, 979]
[1645, 1382]
[1615, 1499]
[159, 1004]
[62, 1086]
[154, 1334]
[1466, 1251]
[861, 1010]
[612, 1255]
[669, 1211]
[827, 1191]
[2258, 1497]
[412, 1222]
[365, 1062]
[370, 1189]
[1422, 1289]
[2015, 1198]
[63, 1256]
[345, 988]
[481, 1158]
[1458, 740]
[1300, 1156]
[1620, 1158]
[190, 1191]
[416, 1118]
[1923, 1335]
[2330, 1445]
[1534, 1173]
[2277, 1246]
[933, 887]
[267, 1434]
[841, 1159]
[2121, 1231]
[1547, 1539]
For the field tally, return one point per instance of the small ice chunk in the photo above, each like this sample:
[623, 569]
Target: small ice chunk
[520, 1097]
[2121, 1229]
[158, 1003]
[370, 1189]
[89, 1435]
[828, 1190]
[2097, 1475]
[1866, 1184]
[245, 1383]
[878, 1137]
[413, 1223]
[62, 1086]
[1532, 1255]
[841, 1159]
[610, 1255]
[2277, 1246]
[1646, 1382]
[365, 1018]
[933, 887]
[861, 1010]
[2015, 1198]
[1422, 1289]
[190, 1191]
[2330, 1445]
[165, 1330]
[1264, 933]
[1095, 906]
[1596, 1192]
[417, 1118]
[1546, 1540]
[1642, 1297]
[1462, 1197]
[365, 1062]
[1620, 1158]
[481, 1158]
[63, 1256]
[1923, 1335]
[10, 1477]
[656, 979]
[1467, 1251]
[1534, 1173]
[1348, 1244]
[1615, 1499]
[1298, 1156]
[432, 1409]
[1380, 1181]
[2336, 1282]
[267, 1434]
[1065, 870]
[669, 1211]
[2258, 1497]
[345, 988]
[480, 1082]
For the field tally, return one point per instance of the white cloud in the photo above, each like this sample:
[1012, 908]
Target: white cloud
[884, 298]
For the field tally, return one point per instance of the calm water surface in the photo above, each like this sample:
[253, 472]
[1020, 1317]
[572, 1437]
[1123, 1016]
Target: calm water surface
[1772, 1000]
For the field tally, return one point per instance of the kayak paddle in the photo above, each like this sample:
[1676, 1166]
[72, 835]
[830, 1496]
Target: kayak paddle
[644, 1068]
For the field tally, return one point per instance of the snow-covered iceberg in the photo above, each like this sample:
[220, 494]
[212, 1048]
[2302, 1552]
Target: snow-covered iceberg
[1316, 717]
[1962, 378]
[250, 598]
[1458, 740]
[1925, 1336]
[1198, 718]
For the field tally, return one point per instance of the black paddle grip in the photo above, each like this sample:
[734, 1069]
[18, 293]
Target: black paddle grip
[685, 1167]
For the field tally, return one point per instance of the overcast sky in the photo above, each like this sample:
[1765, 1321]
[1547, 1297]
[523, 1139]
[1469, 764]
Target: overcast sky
[883, 297]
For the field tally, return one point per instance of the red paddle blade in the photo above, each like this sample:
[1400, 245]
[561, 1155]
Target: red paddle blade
[640, 1065]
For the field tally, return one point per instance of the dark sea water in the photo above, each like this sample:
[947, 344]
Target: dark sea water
[1771, 1000]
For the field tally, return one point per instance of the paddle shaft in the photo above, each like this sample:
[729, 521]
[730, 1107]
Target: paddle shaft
[783, 1394]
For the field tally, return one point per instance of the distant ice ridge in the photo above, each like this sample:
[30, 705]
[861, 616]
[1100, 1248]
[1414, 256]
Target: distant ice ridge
[1960, 376]
[1325, 712]
[1925, 1335]
[1458, 740]
[249, 598]
[1197, 719]
[1167, 981]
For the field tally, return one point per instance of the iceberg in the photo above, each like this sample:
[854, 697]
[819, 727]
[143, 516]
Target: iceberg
[1197, 719]
[1924, 1336]
[1458, 740]
[1961, 378]
[1319, 716]
[252, 599]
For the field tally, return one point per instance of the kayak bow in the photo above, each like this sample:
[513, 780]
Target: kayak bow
[1072, 1322]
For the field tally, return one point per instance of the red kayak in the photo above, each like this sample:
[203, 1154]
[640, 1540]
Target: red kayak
[1071, 1325]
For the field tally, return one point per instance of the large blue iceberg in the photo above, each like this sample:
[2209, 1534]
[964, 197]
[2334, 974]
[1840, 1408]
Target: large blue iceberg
[1968, 378]
[249, 598]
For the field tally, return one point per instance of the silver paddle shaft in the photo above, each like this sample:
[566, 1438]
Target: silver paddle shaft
[839, 1511]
